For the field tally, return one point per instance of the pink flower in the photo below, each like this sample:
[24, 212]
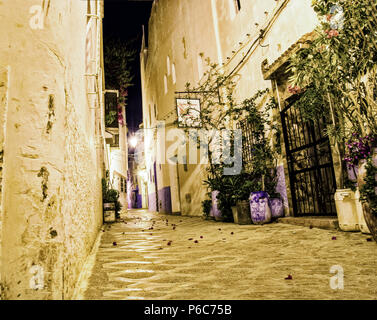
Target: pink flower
[332, 33]
[294, 90]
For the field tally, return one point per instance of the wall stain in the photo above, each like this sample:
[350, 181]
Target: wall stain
[184, 48]
[51, 113]
[43, 173]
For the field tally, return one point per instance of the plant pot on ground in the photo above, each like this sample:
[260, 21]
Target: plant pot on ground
[241, 211]
[110, 197]
[259, 208]
[345, 201]
[223, 196]
[367, 181]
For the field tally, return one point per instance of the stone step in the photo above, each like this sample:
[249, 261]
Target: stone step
[321, 222]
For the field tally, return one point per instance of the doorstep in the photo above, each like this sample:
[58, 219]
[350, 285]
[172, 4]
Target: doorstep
[328, 223]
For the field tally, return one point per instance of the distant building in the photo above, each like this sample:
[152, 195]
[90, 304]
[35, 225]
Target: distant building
[255, 39]
[116, 145]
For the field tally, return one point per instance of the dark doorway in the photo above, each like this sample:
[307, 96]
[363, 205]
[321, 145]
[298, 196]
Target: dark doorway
[310, 164]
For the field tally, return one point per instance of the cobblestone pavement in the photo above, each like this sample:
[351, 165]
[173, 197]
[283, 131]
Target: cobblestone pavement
[152, 256]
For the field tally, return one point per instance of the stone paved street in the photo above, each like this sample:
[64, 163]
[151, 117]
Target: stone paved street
[151, 256]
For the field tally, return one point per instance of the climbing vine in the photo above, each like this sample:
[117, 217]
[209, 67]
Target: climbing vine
[335, 72]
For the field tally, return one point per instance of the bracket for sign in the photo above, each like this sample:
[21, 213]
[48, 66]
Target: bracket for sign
[187, 93]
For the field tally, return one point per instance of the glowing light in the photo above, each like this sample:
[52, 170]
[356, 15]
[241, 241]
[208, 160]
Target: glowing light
[133, 142]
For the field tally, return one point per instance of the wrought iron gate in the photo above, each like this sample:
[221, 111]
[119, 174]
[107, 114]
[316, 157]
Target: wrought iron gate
[310, 165]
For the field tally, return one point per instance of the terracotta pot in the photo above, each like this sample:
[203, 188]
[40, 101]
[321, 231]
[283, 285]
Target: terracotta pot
[241, 213]
[370, 218]
[235, 214]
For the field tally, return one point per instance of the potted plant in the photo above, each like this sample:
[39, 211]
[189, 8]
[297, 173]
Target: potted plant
[111, 203]
[344, 90]
[223, 194]
[241, 210]
[262, 162]
[275, 201]
[367, 181]
[347, 200]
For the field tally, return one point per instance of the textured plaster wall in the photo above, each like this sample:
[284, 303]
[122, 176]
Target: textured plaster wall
[52, 192]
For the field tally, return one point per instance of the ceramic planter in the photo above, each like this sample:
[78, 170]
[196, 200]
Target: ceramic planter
[235, 214]
[277, 207]
[345, 202]
[360, 214]
[215, 209]
[370, 218]
[259, 209]
[241, 213]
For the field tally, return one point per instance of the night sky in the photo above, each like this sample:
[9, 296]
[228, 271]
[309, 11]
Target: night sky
[124, 20]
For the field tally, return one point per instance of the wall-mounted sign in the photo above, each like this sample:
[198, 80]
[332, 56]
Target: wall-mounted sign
[188, 111]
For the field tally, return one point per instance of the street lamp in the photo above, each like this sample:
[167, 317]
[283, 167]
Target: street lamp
[133, 141]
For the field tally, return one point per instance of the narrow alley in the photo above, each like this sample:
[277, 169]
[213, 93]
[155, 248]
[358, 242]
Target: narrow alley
[153, 256]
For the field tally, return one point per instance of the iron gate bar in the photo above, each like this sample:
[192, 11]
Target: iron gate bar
[313, 181]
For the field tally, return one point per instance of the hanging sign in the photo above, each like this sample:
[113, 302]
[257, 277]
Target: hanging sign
[188, 111]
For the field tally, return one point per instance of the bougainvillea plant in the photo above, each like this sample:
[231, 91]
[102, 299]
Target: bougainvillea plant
[358, 148]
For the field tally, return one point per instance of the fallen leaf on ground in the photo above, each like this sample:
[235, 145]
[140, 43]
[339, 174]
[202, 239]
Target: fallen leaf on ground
[333, 238]
[369, 239]
[289, 277]
[196, 241]
[114, 243]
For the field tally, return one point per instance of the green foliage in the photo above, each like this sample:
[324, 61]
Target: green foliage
[368, 190]
[111, 195]
[110, 117]
[119, 58]
[206, 207]
[336, 71]
[340, 67]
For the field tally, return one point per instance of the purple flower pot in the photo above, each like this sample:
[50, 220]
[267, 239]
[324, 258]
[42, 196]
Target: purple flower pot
[259, 208]
[277, 207]
[215, 209]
